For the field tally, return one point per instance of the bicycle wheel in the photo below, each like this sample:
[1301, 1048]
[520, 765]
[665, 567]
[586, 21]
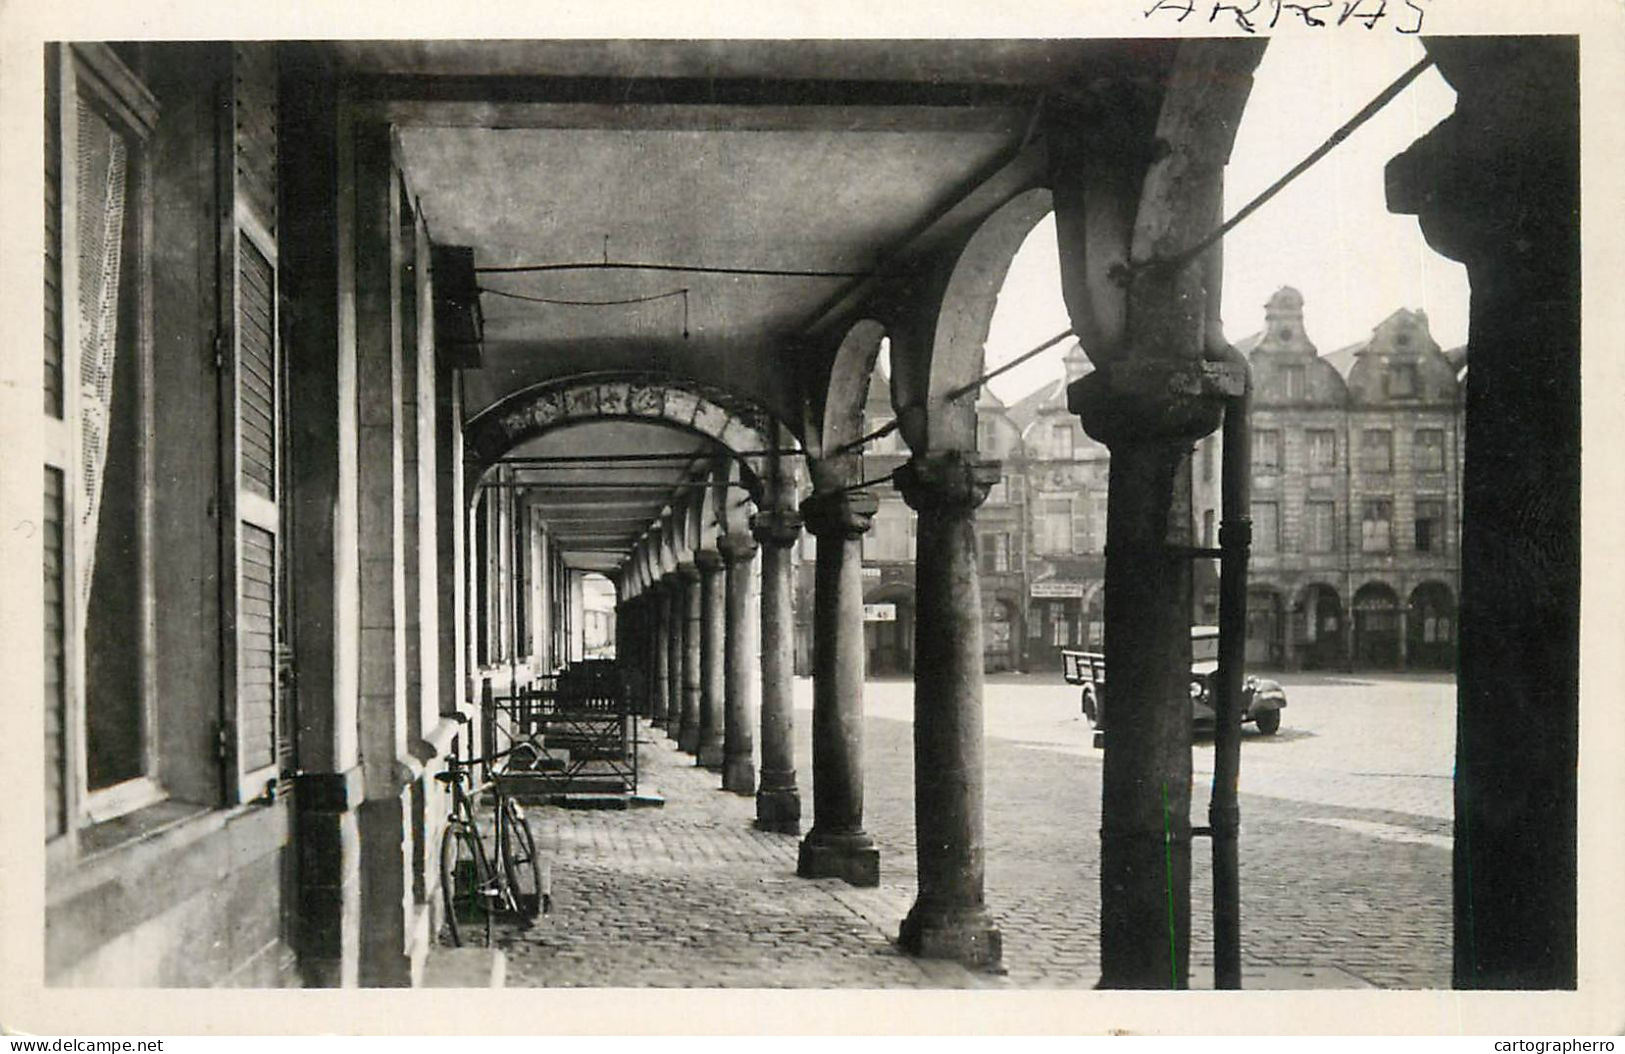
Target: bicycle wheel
[462, 883]
[521, 864]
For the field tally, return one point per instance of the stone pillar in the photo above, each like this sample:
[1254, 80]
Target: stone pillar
[1497, 186]
[778, 799]
[949, 919]
[323, 539]
[382, 720]
[713, 630]
[688, 739]
[676, 607]
[654, 646]
[837, 846]
[738, 741]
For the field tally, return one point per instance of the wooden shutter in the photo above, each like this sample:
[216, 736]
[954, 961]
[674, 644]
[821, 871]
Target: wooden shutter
[252, 387]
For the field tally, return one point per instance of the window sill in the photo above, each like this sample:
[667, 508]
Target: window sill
[143, 823]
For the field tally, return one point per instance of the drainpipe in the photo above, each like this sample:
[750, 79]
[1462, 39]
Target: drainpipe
[1235, 541]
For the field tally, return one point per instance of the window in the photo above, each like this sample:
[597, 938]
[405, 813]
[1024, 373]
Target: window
[999, 493]
[987, 436]
[1377, 525]
[1097, 519]
[891, 536]
[100, 737]
[1322, 449]
[1209, 536]
[1320, 527]
[1266, 526]
[1267, 450]
[1208, 455]
[1061, 440]
[1429, 525]
[1377, 450]
[1428, 456]
[1402, 379]
[1060, 626]
[1293, 377]
[1055, 525]
[995, 553]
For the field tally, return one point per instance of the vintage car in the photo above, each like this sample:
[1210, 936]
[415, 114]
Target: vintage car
[1261, 698]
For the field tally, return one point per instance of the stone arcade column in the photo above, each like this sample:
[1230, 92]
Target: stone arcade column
[688, 739]
[676, 607]
[713, 644]
[738, 744]
[654, 647]
[837, 846]
[778, 800]
[949, 919]
[1497, 186]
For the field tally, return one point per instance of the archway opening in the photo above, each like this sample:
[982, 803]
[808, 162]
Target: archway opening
[1376, 627]
[1430, 628]
[1323, 633]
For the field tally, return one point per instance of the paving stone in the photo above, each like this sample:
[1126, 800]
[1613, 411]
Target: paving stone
[692, 895]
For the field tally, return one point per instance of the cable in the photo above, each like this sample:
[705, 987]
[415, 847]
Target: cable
[596, 303]
[1125, 271]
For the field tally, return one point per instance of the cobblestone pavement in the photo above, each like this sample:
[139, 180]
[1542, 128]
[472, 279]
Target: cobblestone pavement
[1345, 857]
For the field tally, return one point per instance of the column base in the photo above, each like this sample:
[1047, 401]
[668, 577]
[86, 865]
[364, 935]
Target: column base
[739, 775]
[965, 936]
[709, 756]
[851, 858]
[778, 810]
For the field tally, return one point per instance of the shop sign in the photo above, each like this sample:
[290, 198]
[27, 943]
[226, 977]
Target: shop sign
[871, 572]
[1057, 589]
[880, 612]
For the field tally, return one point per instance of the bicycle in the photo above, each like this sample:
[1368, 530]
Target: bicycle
[474, 885]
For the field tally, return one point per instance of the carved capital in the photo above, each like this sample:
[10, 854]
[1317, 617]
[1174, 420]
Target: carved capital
[708, 560]
[949, 481]
[687, 571]
[736, 548]
[776, 527]
[1152, 401]
[839, 514]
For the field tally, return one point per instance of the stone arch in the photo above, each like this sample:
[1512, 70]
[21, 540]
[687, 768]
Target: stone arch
[959, 332]
[734, 422]
[1322, 626]
[1376, 625]
[889, 644]
[1430, 627]
[844, 401]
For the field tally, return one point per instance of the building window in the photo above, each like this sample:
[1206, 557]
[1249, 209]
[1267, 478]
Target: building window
[1267, 450]
[1209, 537]
[1402, 379]
[1060, 626]
[1322, 449]
[890, 536]
[987, 436]
[1207, 456]
[1320, 527]
[1055, 525]
[1266, 526]
[1097, 519]
[995, 553]
[1061, 441]
[1377, 450]
[1429, 526]
[1428, 455]
[999, 493]
[1377, 525]
[1296, 386]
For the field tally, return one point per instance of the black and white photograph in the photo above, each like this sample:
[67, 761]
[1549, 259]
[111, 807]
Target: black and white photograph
[597, 510]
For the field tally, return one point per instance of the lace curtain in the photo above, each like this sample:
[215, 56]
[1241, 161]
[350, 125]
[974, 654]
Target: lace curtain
[102, 185]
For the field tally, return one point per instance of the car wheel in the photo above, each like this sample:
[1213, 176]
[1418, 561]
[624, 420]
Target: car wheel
[1269, 722]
